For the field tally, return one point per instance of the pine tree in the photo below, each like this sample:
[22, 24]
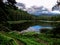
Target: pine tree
[12, 3]
[1, 3]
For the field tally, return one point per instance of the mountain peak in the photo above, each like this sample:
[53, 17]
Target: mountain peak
[37, 10]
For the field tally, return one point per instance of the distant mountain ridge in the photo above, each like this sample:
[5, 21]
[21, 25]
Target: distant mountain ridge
[41, 10]
[37, 10]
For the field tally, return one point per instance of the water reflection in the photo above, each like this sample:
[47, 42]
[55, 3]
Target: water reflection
[34, 28]
[37, 28]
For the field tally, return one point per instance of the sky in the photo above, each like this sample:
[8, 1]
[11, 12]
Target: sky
[46, 3]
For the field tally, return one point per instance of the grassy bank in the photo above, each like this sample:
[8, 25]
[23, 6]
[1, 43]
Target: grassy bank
[29, 39]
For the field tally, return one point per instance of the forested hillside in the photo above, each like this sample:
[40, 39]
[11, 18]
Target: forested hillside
[12, 13]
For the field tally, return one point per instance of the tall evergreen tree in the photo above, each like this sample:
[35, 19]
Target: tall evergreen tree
[12, 3]
[1, 3]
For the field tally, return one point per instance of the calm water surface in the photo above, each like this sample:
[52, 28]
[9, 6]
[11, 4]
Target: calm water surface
[36, 26]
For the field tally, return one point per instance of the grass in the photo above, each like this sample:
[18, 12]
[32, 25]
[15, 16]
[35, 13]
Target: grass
[28, 39]
[51, 41]
[5, 40]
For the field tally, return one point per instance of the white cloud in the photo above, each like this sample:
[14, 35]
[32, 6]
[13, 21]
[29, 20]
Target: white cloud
[58, 12]
[46, 3]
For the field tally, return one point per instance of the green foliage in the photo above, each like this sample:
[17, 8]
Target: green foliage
[10, 14]
[24, 38]
[7, 12]
[11, 2]
[49, 18]
[5, 40]
[51, 41]
[28, 39]
[16, 15]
